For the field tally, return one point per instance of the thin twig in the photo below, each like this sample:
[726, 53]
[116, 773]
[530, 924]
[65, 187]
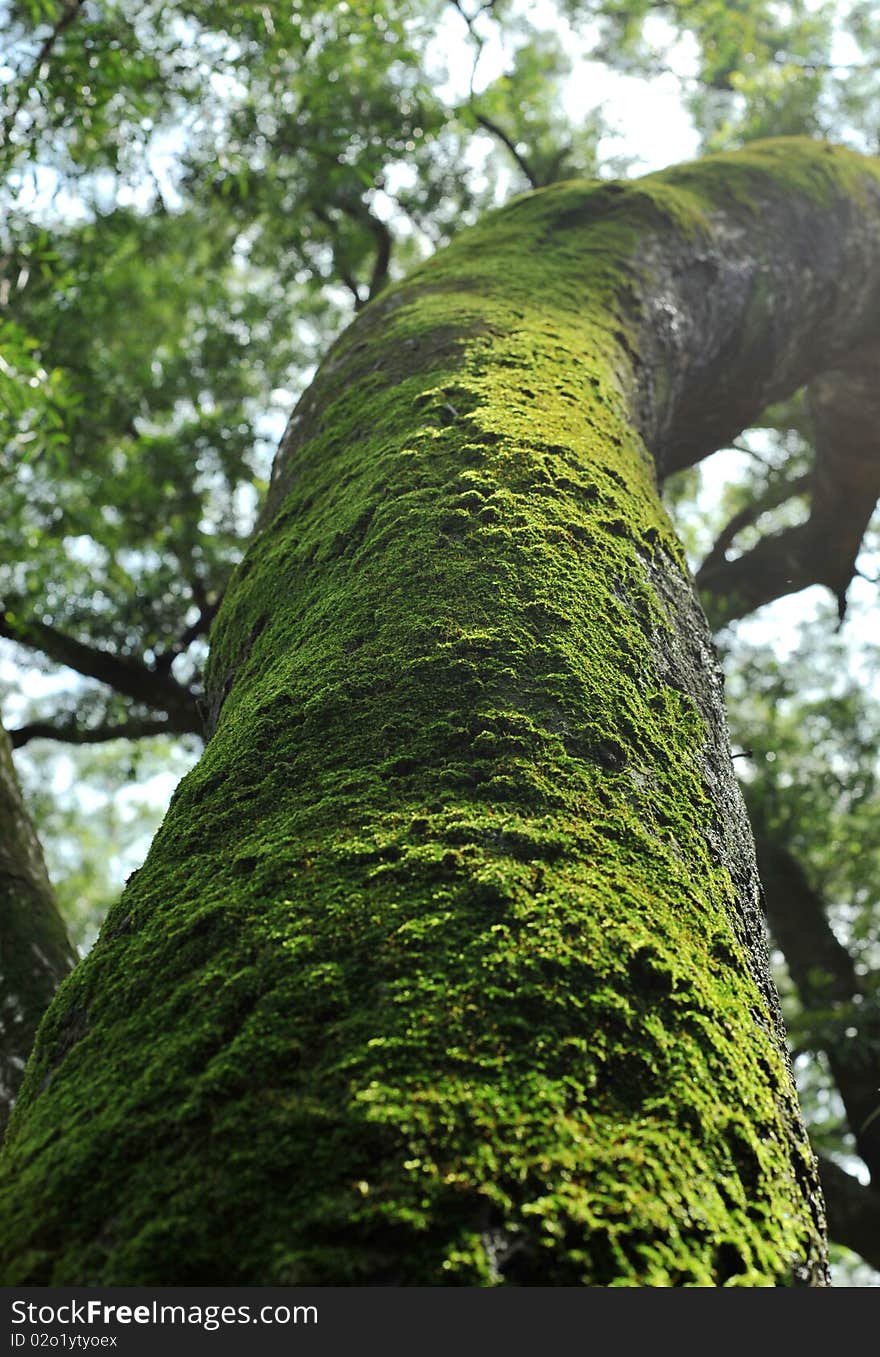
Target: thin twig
[496, 131]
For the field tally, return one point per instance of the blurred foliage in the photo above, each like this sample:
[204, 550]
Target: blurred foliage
[812, 724]
[522, 109]
[754, 69]
[96, 813]
[194, 197]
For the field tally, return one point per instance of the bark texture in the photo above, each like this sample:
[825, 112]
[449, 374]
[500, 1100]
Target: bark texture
[34, 950]
[447, 965]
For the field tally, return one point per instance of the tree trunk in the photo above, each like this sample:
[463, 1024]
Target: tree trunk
[447, 963]
[34, 951]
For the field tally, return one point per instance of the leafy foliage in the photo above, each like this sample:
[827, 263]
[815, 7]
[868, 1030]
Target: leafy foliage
[97, 814]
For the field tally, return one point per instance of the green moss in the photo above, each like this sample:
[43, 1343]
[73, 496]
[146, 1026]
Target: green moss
[433, 973]
[797, 166]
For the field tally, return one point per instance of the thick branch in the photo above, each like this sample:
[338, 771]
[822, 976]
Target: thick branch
[820, 966]
[853, 1211]
[782, 292]
[778, 282]
[845, 409]
[737, 299]
[844, 488]
[130, 678]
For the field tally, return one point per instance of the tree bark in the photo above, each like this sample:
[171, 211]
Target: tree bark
[35, 953]
[447, 963]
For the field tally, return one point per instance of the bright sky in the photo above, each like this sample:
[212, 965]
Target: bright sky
[648, 120]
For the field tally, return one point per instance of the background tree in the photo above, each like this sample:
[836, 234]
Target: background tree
[34, 951]
[294, 162]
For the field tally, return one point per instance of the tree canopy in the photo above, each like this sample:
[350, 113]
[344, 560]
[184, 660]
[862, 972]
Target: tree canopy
[197, 197]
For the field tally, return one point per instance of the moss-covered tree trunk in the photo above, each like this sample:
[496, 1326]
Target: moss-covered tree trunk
[446, 965]
[34, 950]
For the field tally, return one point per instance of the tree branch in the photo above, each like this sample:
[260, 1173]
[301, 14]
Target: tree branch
[488, 124]
[491, 126]
[772, 499]
[844, 489]
[844, 405]
[781, 563]
[751, 452]
[853, 1211]
[71, 732]
[128, 677]
[470, 21]
[345, 276]
[820, 966]
[382, 262]
[357, 210]
[200, 627]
